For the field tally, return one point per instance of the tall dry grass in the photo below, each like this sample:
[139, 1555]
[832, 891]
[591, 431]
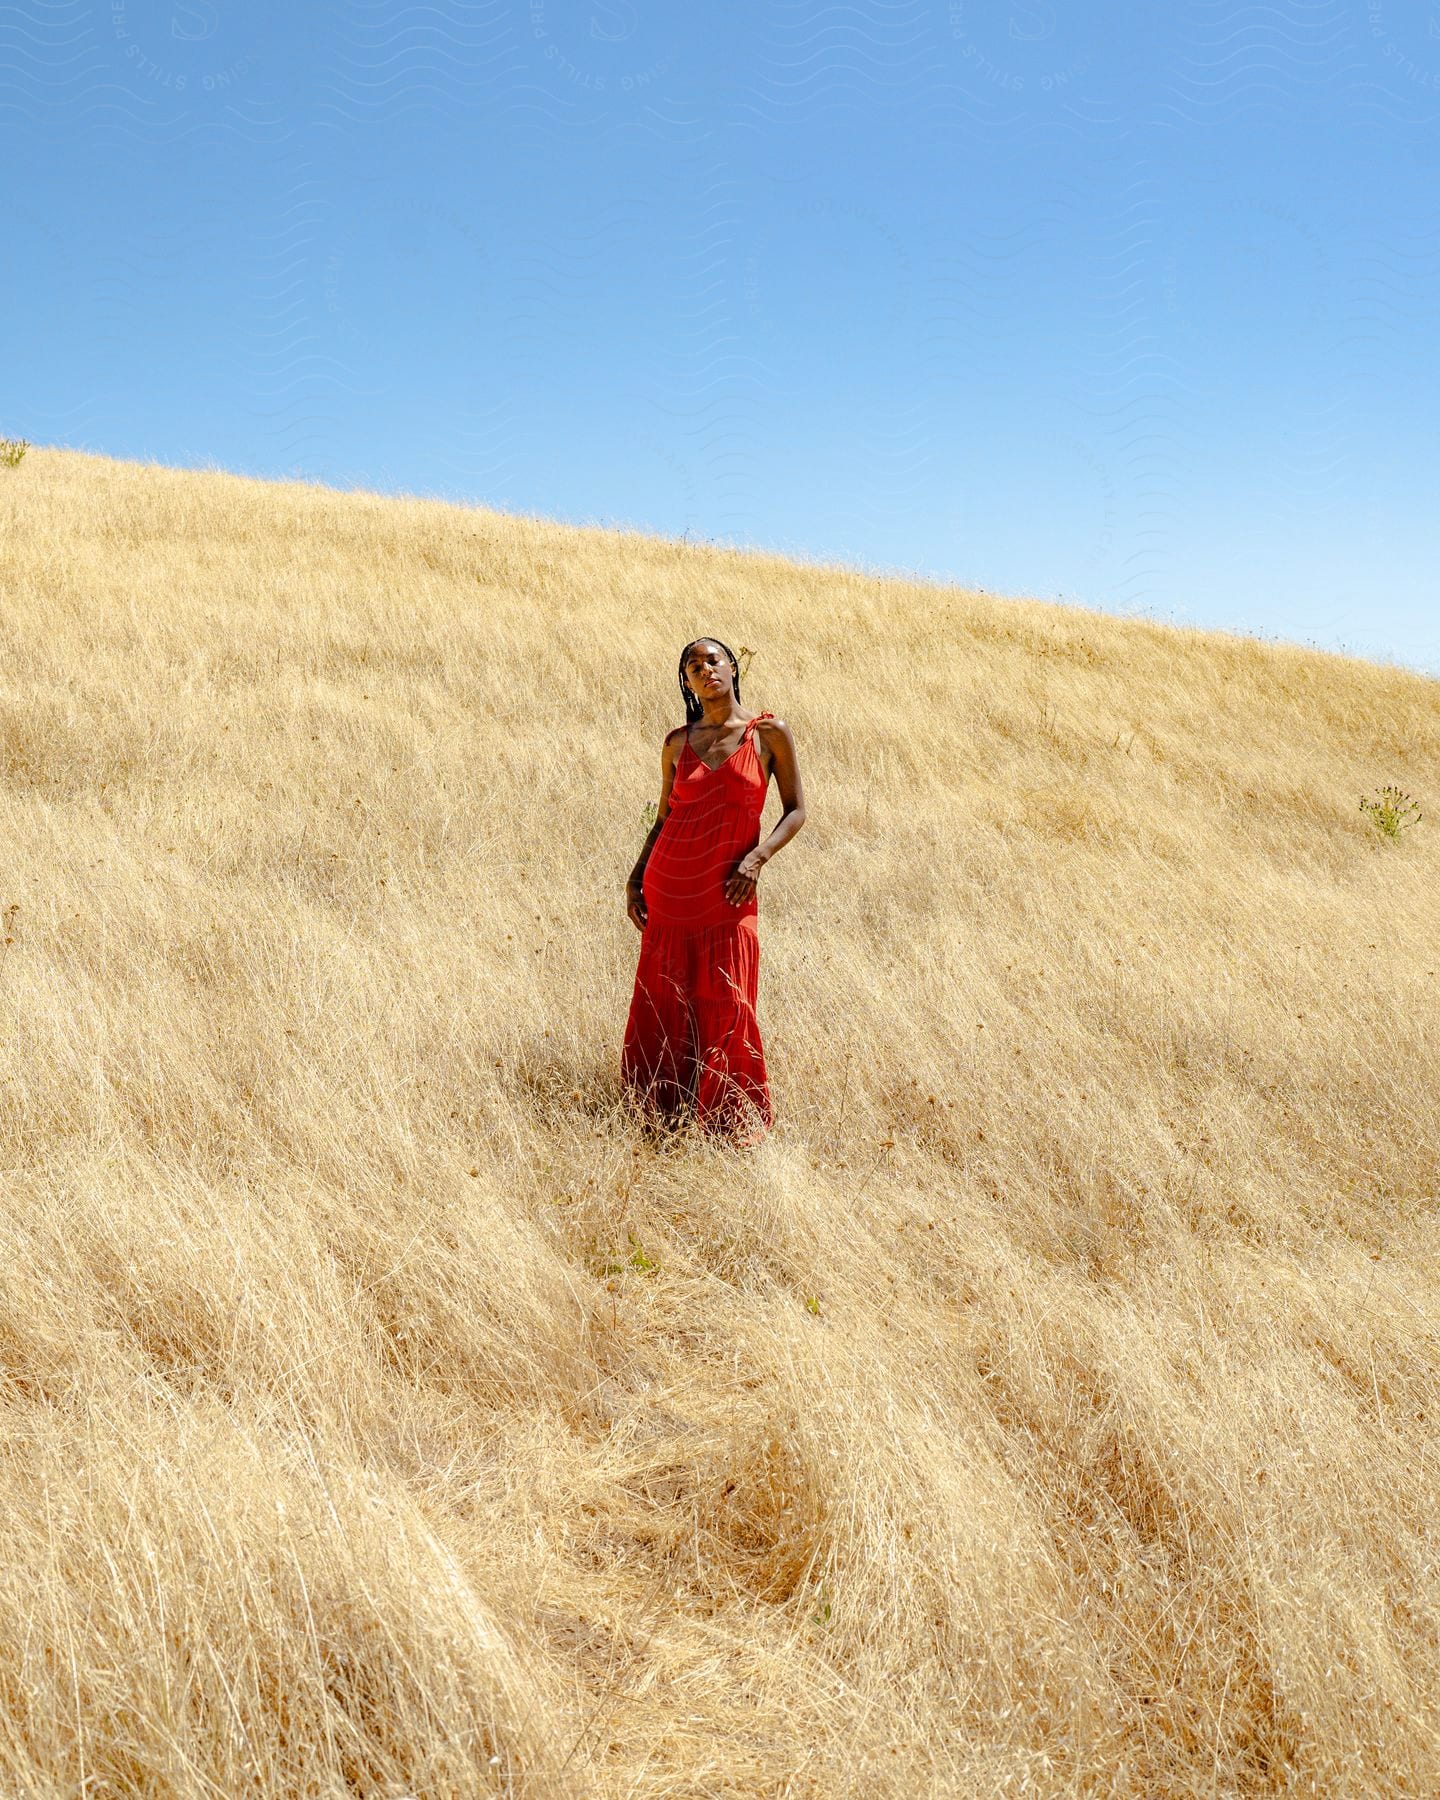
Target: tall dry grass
[1048, 1407]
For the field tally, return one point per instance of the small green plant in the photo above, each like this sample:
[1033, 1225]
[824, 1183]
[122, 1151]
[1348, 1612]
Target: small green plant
[639, 1260]
[12, 451]
[651, 813]
[1393, 812]
[822, 1616]
[812, 1305]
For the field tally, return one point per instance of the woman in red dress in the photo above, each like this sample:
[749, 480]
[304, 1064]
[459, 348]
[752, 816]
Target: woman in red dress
[692, 1041]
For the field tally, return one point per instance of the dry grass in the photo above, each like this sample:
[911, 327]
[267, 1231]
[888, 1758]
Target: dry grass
[1048, 1407]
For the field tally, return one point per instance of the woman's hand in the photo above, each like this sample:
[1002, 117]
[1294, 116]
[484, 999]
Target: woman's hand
[635, 904]
[740, 888]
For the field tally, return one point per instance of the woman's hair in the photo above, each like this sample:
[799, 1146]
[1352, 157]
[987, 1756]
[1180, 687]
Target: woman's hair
[693, 709]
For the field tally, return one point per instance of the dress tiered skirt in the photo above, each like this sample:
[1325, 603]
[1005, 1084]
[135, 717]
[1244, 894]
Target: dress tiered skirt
[692, 1041]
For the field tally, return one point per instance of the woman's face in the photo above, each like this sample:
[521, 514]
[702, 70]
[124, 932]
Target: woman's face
[707, 669]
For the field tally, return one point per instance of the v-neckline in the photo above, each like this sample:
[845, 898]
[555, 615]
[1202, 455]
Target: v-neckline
[744, 737]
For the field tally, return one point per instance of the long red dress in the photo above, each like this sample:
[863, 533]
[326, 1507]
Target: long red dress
[692, 1040]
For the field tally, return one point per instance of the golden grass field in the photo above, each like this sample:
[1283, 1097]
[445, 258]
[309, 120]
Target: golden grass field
[1048, 1407]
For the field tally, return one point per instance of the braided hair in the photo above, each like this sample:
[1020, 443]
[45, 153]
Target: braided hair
[693, 709]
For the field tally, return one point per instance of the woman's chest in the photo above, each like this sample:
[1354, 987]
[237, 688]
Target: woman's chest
[739, 784]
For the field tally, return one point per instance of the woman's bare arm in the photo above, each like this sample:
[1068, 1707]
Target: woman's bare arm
[634, 887]
[786, 766]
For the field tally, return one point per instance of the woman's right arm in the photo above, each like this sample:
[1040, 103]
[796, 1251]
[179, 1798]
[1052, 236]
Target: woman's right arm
[635, 886]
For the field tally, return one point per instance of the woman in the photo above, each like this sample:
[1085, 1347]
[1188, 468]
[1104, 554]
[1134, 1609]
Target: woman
[692, 1041]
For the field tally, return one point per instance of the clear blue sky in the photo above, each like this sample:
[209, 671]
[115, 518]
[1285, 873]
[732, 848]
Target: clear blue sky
[1133, 306]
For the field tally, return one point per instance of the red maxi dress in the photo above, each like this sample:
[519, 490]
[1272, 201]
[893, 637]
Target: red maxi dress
[692, 1040]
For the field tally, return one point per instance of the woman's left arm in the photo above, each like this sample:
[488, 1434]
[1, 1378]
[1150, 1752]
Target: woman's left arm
[778, 741]
[781, 746]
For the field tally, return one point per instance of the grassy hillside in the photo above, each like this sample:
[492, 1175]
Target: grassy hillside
[1049, 1406]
